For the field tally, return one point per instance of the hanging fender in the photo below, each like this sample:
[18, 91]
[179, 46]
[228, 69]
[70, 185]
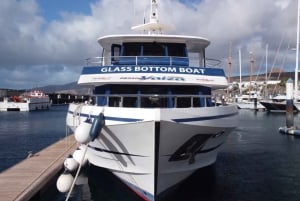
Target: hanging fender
[97, 125]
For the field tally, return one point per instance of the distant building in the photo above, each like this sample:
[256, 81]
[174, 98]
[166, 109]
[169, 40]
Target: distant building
[10, 92]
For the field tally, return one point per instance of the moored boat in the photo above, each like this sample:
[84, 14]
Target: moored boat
[152, 121]
[29, 101]
[277, 104]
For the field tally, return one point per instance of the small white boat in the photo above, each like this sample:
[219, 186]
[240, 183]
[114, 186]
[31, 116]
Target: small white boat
[29, 101]
[249, 101]
[152, 122]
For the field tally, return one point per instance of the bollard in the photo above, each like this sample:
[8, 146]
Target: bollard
[255, 102]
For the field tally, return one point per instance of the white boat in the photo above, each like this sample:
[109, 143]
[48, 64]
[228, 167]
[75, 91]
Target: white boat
[249, 101]
[29, 101]
[152, 122]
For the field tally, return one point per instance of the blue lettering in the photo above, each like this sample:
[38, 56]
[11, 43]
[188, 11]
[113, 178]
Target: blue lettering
[169, 78]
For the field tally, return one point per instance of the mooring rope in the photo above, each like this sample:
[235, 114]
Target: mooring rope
[77, 174]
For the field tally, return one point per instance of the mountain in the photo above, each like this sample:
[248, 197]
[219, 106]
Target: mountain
[70, 88]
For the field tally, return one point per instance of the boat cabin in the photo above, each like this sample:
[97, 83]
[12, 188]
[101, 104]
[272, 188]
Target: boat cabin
[171, 50]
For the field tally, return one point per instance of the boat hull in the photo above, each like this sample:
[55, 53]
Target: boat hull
[24, 107]
[276, 106]
[152, 150]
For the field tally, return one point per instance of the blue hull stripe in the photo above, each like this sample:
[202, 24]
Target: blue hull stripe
[110, 118]
[203, 118]
[121, 119]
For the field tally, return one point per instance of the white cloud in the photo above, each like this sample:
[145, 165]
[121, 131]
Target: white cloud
[34, 50]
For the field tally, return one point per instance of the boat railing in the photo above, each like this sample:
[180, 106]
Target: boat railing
[152, 60]
[153, 100]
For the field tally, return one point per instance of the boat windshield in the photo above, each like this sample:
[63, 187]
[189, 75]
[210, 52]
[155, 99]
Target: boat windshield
[154, 49]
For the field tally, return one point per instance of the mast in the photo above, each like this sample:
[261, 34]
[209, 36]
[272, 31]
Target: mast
[266, 78]
[251, 69]
[154, 12]
[153, 26]
[229, 64]
[229, 68]
[297, 55]
[240, 64]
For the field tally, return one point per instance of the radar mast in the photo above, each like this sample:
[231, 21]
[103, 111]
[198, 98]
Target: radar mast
[153, 26]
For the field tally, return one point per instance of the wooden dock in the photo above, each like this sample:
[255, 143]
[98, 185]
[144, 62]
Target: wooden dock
[27, 178]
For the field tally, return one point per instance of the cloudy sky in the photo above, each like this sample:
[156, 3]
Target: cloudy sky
[45, 42]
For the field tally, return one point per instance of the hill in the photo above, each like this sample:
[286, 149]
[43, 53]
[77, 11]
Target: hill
[70, 88]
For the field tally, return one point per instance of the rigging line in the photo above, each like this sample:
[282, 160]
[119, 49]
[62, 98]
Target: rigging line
[259, 68]
[282, 64]
[277, 52]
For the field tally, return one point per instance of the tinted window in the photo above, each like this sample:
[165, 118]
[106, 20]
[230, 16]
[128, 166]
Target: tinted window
[153, 49]
[176, 50]
[131, 49]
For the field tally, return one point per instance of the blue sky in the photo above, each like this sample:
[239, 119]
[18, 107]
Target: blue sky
[45, 42]
[52, 9]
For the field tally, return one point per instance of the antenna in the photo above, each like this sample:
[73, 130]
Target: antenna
[153, 25]
[154, 12]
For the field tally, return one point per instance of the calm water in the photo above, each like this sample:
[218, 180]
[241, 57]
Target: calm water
[255, 163]
[21, 132]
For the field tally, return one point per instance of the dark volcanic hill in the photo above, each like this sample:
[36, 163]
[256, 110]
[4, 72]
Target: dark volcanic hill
[70, 88]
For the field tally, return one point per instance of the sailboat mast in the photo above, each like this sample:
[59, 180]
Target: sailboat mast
[251, 69]
[297, 55]
[229, 64]
[240, 64]
[266, 77]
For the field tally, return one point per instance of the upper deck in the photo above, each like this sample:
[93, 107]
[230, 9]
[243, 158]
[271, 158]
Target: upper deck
[193, 43]
[152, 59]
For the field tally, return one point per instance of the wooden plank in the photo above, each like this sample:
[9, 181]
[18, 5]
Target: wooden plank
[22, 181]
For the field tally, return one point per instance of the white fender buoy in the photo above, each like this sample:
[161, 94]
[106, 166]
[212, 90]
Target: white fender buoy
[82, 132]
[64, 182]
[71, 164]
[96, 127]
[79, 156]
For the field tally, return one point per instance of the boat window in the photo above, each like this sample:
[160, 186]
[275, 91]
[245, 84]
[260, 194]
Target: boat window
[153, 49]
[131, 49]
[176, 50]
[148, 96]
[114, 102]
[115, 52]
[153, 101]
[101, 100]
[129, 101]
[183, 102]
[196, 102]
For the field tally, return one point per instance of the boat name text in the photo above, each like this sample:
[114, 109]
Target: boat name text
[169, 78]
[152, 69]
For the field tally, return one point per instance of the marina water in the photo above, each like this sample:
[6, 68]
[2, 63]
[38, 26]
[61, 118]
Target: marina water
[255, 163]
